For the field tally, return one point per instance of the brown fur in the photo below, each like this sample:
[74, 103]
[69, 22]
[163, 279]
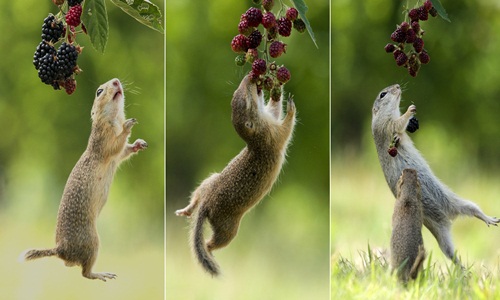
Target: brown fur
[86, 191]
[224, 197]
[407, 245]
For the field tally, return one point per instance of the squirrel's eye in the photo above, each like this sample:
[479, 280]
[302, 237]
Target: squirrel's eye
[99, 91]
[382, 95]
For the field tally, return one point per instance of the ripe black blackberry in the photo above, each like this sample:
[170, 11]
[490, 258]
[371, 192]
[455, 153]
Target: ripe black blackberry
[66, 60]
[52, 29]
[254, 39]
[284, 26]
[74, 2]
[412, 125]
[42, 49]
[299, 25]
[47, 69]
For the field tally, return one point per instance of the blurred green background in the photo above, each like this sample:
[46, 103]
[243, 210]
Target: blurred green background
[457, 98]
[282, 248]
[44, 132]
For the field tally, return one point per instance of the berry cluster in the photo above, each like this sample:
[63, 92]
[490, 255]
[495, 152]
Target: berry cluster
[411, 33]
[412, 125]
[58, 68]
[265, 73]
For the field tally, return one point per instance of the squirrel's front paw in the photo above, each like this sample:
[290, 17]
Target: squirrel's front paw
[412, 109]
[139, 145]
[290, 105]
[129, 123]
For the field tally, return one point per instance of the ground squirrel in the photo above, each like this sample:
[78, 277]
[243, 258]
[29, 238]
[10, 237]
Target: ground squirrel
[407, 244]
[86, 191]
[440, 204]
[224, 197]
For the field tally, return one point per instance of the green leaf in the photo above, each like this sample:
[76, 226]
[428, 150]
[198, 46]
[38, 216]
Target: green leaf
[143, 11]
[302, 8]
[440, 9]
[95, 18]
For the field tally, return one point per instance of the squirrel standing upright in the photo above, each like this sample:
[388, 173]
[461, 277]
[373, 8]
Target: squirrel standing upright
[440, 204]
[224, 197]
[86, 191]
[407, 244]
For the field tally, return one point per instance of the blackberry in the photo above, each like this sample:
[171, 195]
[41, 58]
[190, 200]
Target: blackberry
[253, 16]
[411, 36]
[66, 60]
[423, 14]
[73, 15]
[400, 57]
[47, 70]
[398, 36]
[52, 29]
[413, 65]
[243, 27]
[58, 2]
[272, 33]
[254, 77]
[404, 26]
[412, 125]
[259, 66]
[284, 26]
[299, 25]
[239, 43]
[41, 50]
[276, 49]
[427, 5]
[69, 85]
[433, 12]
[283, 75]
[413, 14]
[415, 25]
[268, 20]
[389, 48]
[292, 14]
[254, 39]
[268, 4]
[240, 60]
[418, 45]
[74, 2]
[393, 151]
[424, 57]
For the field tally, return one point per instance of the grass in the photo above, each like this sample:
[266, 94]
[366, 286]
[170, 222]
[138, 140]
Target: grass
[370, 277]
[361, 211]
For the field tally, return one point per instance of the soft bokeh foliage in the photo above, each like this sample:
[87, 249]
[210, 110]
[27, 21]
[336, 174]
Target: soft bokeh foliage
[281, 250]
[44, 132]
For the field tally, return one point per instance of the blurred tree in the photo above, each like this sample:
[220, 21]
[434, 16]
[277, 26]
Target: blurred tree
[456, 92]
[45, 131]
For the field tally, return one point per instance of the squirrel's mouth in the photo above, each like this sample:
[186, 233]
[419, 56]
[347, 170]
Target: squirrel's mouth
[117, 95]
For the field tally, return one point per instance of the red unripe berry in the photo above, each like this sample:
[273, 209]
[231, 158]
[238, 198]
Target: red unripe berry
[424, 57]
[284, 26]
[418, 45]
[276, 49]
[243, 27]
[259, 66]
[411, 36]
[413, 14]
[73, 15]
[253, 16]
[292, 14]
[239, 43]
[423, 14]
[268, 4]
[389, 48]
[268, 20]
[428, 5]
[283, 75]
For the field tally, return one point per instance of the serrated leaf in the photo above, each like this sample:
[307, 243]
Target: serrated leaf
[302, 8]
[144, 11]
[440, 9]
[95, 18]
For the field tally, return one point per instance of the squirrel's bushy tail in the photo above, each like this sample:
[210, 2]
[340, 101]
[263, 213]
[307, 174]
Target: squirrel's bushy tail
[198, 245]
[34, 254]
